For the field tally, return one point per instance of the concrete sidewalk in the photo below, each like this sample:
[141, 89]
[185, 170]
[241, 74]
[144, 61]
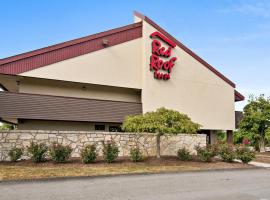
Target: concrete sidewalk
[256, 164]
[259, 164]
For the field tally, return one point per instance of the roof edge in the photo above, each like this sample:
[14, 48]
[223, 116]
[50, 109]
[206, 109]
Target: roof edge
[238, 96]
[185, 48]
[67, 43]
[68, 97]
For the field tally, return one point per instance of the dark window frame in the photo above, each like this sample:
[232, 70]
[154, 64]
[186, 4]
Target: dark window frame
[98, 127]
[114, 128]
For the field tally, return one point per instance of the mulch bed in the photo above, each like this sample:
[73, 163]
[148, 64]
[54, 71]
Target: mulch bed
[263, 157]
[150, 161]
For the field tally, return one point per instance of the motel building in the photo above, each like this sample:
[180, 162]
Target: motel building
[94, 82]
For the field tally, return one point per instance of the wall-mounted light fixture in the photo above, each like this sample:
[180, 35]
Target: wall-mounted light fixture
[105, 42]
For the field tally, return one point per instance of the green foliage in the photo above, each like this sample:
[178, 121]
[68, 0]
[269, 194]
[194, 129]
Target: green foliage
[15, 154]
[205, 154]
[89, 154]
[227, 153]
[135, 155]
[239, 136]
[110, 151]
[37, 151]
[7, 127]
[183, 154]
[162, 121]
[221, 136]
[244, 154]
[60, 153]
[255, 124]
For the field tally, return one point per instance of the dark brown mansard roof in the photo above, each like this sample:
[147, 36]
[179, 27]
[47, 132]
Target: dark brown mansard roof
[46, 107]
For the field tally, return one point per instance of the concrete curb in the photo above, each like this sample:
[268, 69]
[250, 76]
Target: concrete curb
[67, 178]
[256, 164]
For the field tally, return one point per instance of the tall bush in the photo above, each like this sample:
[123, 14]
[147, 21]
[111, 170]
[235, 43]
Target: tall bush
[89, 154]
[37, 151]
[183, 154]
[244, 154]
[15, 154]
[255, 124]
[135, 154]
[110, 151]
[227, 153]
[205, 154]
[60, 153]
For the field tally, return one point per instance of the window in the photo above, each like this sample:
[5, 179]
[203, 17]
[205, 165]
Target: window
[99, 127]
[114, 129]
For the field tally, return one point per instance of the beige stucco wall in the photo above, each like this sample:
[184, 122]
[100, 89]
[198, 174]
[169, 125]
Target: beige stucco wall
[119, 65]
[60, 125]
[69, 89]
[193, 89]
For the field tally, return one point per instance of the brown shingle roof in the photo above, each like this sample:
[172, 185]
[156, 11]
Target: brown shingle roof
[46, 107]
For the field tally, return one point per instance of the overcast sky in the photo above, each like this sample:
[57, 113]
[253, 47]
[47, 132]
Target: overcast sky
[231, 35]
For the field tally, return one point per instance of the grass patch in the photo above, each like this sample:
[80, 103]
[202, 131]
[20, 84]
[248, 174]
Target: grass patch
[30, 170]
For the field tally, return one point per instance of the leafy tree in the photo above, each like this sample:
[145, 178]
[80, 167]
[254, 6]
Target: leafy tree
[162, 121]
[255, 124]
[221, 136]
[7, 127]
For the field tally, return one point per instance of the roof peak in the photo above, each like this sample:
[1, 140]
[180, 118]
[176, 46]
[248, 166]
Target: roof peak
[183, 47]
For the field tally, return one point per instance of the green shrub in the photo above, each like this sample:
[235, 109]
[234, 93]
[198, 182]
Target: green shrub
[227, 153]
[205, 154]
[15, 154]
[183, 154]
[244, 154]
[110, 151]
[37, 151]
[60, 153]
[135, 155]
[89, 154]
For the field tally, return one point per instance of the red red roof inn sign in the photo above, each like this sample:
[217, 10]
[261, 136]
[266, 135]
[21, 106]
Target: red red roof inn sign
[158, 52]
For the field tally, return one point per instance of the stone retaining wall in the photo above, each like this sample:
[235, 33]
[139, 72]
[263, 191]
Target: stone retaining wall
[147, 142]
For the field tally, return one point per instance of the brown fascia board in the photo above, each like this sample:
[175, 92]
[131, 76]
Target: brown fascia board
[21, 77]
[238, 96]
[62, 51]
[186, 49]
